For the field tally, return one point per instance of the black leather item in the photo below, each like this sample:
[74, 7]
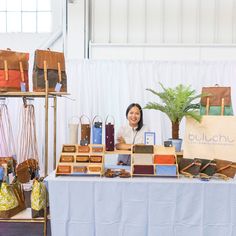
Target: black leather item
[208, 167]
[143, 148]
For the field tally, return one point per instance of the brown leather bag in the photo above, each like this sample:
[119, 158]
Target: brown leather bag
[208, 168]
[225, 168]
[56, 73]
[69, 148]
[85, 130]
[95, 159]
[63, 169]
[13, 71]
[68, 158]
[82, 158]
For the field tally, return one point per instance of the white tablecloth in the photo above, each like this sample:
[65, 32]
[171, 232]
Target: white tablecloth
[89, 206]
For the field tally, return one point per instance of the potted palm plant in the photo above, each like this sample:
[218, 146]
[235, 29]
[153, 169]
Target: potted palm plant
[176, 103]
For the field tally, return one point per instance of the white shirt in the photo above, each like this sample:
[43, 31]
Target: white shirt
[130, 135]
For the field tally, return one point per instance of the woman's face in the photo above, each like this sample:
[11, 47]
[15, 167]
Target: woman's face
[133, 116]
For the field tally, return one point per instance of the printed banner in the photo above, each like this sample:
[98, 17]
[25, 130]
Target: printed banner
[214, 137]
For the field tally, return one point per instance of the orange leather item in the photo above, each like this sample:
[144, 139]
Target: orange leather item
[69, 148]
[83, 149]
[63, 169]
[164, 159]
[67, 158]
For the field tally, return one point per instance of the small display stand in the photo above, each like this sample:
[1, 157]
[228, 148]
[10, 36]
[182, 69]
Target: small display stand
[81, 160]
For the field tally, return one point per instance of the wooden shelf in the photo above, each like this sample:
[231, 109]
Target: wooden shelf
[31, 94]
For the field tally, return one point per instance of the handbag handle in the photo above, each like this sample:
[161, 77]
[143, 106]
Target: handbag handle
[85, 117]
[74, 117]
[109, 117]
[97, 116]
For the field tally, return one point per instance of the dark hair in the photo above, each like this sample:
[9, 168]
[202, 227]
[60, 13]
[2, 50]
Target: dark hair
[140, 123]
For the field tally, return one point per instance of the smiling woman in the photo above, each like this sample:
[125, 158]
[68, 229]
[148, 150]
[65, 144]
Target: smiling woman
[131, 133]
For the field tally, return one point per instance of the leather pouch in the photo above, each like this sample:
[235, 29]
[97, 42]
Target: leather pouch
[95, 159]
[189, 167]
[82, 158]
[80, 169]
[63, 169]
[97, 149]
[83, 148]
[69, 148]
[94, 168]
[225, 168]
[138, 148]
[143, 169]
[208, 167]
[66, 158]
[164, 159]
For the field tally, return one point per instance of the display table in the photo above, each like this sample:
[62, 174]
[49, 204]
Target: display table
[90, 206]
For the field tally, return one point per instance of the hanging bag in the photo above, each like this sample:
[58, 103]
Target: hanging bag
[73, 130]
[97, 130]
[85, 131]
[56, 74]
[216, 101]
[28, 151]
[12, 200]
[7, 144]
[13, 71]
[39, 197]
[109, 134]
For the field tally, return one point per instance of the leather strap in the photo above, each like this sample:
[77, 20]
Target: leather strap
[5, 70]
[208, 164]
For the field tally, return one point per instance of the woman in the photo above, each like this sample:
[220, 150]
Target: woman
[131, 133]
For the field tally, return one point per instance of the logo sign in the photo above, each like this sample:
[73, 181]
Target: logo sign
[214, 137]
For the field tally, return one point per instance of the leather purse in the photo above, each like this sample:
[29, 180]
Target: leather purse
[80, 169]
[216, 101]
[141, 148]
[13, 71]
[225, 168]
[143, 169]
[97, 148]
[55, 67]
[61, 169]
[95, 159]
[164, 159]
[69, 148]
[208, 168]
[109, 135]
[189, 167]
[94, 168]
[83, 148]
[82, 158]
[67, 158]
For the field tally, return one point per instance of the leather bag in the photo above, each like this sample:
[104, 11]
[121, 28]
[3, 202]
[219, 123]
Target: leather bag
[97, 130]
[208, 167]
[141, 148]
[13, 71]
[143, 169]
[85, 130]
[216, 101]
[109, 134]
[56, 71]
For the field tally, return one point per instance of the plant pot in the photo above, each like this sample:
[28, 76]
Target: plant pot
[177, 143]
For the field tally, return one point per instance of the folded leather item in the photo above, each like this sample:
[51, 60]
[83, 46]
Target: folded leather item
[138, 148]
[82, 158]
[208, 167]
[67, 158]
[164, 159]
[69, 148]
[97, 149]
[166, 170]
[63, 169]
[96, 159]
[143, 159]
[189, 167]
[83, 148]
[80, 169]
[143, 169]
[94, 168]
[225, 168]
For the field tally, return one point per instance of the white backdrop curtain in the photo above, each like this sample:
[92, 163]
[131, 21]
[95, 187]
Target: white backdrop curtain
[107, 87]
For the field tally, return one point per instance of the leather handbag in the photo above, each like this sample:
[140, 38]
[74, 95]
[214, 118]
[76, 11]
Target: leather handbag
[109, 134]
[225, 168]
[141, 148]
[216, 101]
[189, 167]
[54, 65]
[97, 130]
[13, 71]
[208, 168]
[85, 130]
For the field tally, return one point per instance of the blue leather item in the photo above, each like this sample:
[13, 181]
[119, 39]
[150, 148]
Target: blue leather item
[166, 170]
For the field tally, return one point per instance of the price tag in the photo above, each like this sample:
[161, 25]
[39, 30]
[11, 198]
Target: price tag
[22, 87]
[58, 87]
[150, 138]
